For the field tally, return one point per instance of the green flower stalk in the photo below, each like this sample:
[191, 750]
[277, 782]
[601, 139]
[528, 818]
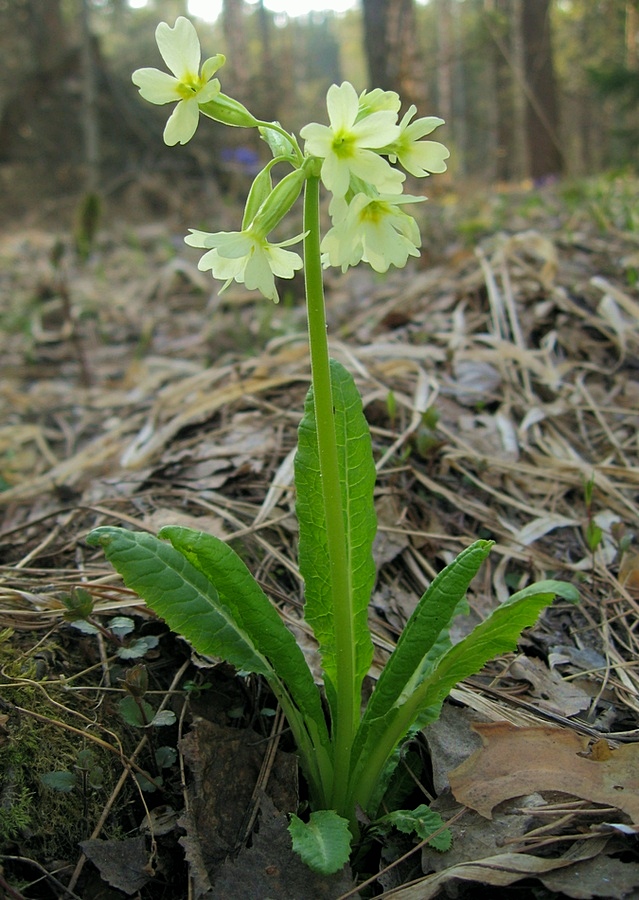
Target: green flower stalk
[197, 583]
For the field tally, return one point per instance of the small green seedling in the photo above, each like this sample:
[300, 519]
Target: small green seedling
[592, 532]
[138, 713]
[85, 774]
[79, 609]
[201, 587]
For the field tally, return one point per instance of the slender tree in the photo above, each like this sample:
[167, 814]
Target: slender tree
[233, 26]
[90, 118]
[542, 109]
[393, 54]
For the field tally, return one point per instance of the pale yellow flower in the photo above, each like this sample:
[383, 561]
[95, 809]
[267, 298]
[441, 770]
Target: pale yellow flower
[188, 85]
[348, 145]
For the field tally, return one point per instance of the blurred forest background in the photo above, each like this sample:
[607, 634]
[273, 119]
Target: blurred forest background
[530, 89]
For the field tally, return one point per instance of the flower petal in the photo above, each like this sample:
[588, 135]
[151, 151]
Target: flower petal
[370, 167]
[179, 46]
[209, 91]
[224, 269]
[232, 244]
[284, 263]
[211, 65]
[336, 175]
[424, 157]
[182, 123]
[156, 86]
[258, 275]
[319, 139]
[199, 238]
[422, 127]
[343, 104]
[377, 100]
[377, 130]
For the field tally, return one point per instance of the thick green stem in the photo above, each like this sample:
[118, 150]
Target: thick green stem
[347, 714]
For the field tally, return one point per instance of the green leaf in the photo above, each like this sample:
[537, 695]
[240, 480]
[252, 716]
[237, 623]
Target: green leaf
[85, 759]
[244, 598]
[421, 821]
[164, 717]
[324, 842]
[424, 640]
[357, 482]
[147, 785]
[96, 778]
[139, 647]
[64, 782]
[79, 604]
[426, 631]
[408, 770]
[165, 757]
[121, 626]
[84, 627]
[594, 535]
[557, 588]
[238, 623]
[498, 634]
[181, 594]
[137, 713]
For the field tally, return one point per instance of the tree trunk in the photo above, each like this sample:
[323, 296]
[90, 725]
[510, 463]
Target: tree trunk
[235, 72]
[393, 54]
[444, 60]
[269, 75]
[542, 114]
[374, 17]
[90, 120]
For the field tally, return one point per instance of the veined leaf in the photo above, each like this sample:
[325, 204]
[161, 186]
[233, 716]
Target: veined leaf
[324, 842]
[421, 821]
[496, 634]
[253, 611]
[357, 481]
[181, 594]
[424, 640]
[239, 624]
[63, 781]
[412, 657]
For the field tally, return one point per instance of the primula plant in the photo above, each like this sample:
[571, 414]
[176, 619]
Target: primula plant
[199, 585]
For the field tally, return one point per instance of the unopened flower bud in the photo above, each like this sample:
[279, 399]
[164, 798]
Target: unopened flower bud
[229, 111]
[278, 203]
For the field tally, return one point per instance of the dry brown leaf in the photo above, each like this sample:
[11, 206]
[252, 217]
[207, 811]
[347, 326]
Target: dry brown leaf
[164, 516]
[122, 864]
[602, 876]
[224, 768]
[517, 761]
[270, 868]
[550, 690]
[629, 571]
[499, 870]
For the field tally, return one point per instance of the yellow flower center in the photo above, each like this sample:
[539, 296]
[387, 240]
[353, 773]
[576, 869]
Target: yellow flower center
[342, 145]
[189, 86]
[374, 212]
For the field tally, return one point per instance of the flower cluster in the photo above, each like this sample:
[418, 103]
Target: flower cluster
[357, 150]
[356, 157]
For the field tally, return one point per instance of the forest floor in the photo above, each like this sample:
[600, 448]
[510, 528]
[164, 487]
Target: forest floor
[500, 379]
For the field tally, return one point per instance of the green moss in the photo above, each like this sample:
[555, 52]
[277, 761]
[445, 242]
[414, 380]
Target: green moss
[47, 823]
